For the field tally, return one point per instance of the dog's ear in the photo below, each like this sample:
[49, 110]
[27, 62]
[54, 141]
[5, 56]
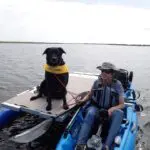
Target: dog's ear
[46, 50]
[61, 50]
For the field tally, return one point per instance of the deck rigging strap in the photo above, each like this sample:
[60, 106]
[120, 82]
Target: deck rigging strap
[64, 86]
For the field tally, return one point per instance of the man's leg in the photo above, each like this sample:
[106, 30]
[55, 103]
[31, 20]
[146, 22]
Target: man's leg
[92, 113]
[116, 120]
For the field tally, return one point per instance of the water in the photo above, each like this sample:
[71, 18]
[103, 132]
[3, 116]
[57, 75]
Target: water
[21, 68]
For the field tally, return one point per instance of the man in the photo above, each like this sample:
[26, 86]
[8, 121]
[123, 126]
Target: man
[106, 93]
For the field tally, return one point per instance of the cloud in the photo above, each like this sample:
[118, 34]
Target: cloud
[53, 21]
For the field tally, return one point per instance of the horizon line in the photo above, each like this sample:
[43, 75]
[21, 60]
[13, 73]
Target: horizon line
[116, 44]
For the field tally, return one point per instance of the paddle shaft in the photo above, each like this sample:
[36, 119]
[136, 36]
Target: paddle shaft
[99, 130]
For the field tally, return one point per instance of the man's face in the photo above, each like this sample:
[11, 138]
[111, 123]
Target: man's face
[106, 75]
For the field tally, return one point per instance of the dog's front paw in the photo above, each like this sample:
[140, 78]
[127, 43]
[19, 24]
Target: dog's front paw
[65, 106]
[48, 107]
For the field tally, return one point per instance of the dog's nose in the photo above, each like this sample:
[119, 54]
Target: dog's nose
[54, 58]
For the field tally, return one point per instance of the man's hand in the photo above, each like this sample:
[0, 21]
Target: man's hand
[110, 110]
[80, 99]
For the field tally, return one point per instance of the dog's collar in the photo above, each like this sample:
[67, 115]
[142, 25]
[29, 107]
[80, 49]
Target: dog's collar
[57, 69]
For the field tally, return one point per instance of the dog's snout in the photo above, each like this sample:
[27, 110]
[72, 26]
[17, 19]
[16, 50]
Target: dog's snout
[54, 59]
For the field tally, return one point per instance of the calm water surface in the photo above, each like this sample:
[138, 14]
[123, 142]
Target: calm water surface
[21, 68]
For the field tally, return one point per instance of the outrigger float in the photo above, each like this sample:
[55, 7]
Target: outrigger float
[78, 87]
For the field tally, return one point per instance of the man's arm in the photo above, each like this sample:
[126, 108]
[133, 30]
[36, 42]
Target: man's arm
[121, 103]
[119, 106]
[88, 97]
[121, 99]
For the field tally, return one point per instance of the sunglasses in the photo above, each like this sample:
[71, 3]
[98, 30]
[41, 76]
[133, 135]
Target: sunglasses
[107, 71]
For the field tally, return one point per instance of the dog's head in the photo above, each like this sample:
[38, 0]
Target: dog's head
[54, 56]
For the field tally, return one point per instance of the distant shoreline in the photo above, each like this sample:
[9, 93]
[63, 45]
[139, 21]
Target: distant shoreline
[115, 44]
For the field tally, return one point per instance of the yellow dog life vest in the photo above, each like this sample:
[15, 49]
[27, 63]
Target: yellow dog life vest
[57, 70]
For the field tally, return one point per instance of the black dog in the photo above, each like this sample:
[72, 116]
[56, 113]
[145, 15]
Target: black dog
[56, 77]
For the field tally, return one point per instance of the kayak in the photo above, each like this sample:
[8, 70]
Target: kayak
[126, 137]
[78, 83]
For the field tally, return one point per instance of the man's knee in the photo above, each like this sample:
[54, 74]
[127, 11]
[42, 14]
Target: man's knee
[118, 113]
[92, 111]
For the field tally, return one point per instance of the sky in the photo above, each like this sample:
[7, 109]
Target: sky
[129, 3]
[103, 21]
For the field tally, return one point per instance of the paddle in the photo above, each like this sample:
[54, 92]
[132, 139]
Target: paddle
[38, 130]
[32, 133]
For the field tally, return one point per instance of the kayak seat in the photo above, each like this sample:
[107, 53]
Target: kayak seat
[123, 77]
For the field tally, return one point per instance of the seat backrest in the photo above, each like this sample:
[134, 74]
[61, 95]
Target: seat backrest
[122, 76]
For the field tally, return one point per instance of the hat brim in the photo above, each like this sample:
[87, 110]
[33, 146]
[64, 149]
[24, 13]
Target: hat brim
[101, 68]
